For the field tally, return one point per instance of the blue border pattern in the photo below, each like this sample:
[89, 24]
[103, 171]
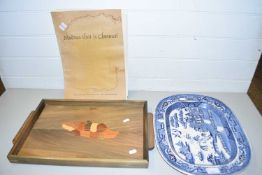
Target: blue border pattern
[240, 161]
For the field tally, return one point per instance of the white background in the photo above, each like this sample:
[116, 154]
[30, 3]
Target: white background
[171, 45]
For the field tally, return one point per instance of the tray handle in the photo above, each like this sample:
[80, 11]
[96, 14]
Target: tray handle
[151, 135]
[23, 128]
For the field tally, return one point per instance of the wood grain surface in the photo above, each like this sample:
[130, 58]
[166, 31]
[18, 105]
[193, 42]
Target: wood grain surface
[49, 143]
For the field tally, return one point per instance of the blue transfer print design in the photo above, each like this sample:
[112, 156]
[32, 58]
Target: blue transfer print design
[200, 135]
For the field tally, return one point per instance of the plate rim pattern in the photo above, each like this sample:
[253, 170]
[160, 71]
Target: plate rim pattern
[242, 158]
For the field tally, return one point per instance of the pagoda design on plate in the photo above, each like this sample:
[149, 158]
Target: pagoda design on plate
[200, 135]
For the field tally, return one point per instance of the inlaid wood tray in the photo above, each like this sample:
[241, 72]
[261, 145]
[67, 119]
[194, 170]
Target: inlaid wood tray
[85, 133]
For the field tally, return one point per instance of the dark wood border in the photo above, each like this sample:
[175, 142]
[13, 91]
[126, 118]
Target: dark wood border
[32, 118]
[255, 88]
[2, 87]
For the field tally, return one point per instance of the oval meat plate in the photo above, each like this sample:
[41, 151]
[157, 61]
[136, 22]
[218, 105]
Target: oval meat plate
[200, 135]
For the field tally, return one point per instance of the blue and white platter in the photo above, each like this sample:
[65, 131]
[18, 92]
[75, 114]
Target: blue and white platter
[196, 134]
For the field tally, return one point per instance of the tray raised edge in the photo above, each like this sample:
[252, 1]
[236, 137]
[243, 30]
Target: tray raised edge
[25, 129]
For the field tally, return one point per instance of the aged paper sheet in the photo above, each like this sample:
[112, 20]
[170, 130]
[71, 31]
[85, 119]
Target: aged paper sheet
[92, 53]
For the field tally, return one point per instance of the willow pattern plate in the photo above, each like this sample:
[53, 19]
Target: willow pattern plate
[200, 135]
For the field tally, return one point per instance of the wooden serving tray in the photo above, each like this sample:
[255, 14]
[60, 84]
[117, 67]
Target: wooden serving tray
[85, 133]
